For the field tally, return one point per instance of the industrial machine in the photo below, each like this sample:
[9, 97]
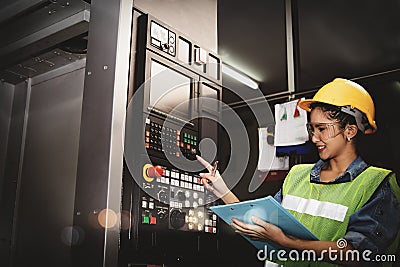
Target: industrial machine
[174, 105]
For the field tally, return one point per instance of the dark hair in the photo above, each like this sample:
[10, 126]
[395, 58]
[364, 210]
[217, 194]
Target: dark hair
[334, 113]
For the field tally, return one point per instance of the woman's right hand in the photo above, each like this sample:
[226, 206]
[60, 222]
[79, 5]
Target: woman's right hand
[215, 183]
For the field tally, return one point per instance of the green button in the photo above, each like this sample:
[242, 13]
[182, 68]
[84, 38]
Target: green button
[195, 137]
[146, 219]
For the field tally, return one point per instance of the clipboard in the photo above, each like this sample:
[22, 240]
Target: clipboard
[269, 210]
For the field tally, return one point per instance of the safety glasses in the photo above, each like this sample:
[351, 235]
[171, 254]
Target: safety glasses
[324, 131]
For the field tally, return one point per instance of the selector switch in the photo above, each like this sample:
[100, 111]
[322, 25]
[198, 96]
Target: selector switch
[163, 196]
[181, 196]
[177, 219]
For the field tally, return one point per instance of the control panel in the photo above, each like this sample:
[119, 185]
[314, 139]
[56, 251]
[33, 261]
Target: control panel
[170, 141]
[175, 200]
[162, 38]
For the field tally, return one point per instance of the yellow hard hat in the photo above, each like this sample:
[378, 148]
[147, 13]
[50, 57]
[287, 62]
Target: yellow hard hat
[342, 92]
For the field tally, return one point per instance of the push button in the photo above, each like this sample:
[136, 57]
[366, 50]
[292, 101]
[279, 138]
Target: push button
[145, 219]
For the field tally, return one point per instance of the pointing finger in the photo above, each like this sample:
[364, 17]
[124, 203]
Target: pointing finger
[204, 163]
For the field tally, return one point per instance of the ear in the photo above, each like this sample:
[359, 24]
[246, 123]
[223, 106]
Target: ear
[351, 131]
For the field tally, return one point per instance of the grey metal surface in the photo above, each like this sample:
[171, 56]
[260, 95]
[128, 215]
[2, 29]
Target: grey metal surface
[12, 8]
[289, 46]
[37, 65]
[47, 172]
[99, 174]
[7, 203]
[6, 100]
[33, 33]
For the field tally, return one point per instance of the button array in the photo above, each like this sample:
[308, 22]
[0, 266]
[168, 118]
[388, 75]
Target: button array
[170, 141]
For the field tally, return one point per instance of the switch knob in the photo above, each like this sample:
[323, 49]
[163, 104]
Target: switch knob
[177, 219]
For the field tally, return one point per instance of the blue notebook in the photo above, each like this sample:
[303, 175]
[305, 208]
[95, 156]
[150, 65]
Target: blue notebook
[269, 210]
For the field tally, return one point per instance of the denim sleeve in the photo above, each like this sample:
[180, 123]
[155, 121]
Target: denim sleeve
[375, 225]
[278, 196]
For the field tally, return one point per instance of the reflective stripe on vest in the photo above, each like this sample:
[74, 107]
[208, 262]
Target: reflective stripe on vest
[314, 207]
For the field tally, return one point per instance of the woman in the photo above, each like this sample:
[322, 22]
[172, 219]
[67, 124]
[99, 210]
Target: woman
[340, 198]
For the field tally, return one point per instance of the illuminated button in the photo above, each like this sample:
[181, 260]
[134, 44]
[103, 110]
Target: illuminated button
[144, 204]
[151, 205]
[191, 212]
[187, 203]
[146, 219]
[147, 133]
[200, 227]
[153, 220]
[214, 217]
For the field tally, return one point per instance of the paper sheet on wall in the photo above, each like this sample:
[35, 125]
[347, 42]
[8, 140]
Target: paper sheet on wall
[290, 128]
[266, 151]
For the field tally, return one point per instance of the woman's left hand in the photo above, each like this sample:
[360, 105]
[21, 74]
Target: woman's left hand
[259, 230]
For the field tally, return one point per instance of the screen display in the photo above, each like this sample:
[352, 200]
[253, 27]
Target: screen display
[170, 91]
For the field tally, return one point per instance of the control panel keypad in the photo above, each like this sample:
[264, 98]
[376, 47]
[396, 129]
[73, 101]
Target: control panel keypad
[170, 141]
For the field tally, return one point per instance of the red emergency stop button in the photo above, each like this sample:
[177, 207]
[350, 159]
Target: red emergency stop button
[151, 172]
[155, 171]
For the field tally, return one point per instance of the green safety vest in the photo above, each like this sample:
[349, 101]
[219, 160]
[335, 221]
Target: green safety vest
[325, 209]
